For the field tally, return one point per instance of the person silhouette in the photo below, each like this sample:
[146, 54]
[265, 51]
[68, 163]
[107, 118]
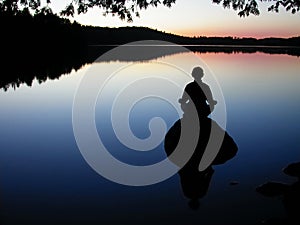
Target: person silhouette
[195, 183]
[199, 93]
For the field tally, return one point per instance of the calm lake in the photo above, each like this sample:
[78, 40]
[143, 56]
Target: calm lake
[44, 178]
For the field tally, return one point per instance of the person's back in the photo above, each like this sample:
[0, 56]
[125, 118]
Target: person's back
[200, 95]
[197, 95]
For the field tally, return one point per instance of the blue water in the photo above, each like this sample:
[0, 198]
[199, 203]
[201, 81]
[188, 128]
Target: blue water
[45, 180]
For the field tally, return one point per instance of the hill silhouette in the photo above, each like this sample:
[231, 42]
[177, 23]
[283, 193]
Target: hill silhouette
[122, 35]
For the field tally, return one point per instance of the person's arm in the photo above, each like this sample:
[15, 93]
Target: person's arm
[209, 96]
[185, 96]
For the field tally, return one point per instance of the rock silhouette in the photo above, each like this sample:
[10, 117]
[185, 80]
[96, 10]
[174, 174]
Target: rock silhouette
[290, 194]
[195, 183]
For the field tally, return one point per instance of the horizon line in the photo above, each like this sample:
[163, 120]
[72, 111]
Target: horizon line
[191, 36]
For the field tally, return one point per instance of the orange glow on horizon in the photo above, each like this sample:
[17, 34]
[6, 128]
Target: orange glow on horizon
[238, 33]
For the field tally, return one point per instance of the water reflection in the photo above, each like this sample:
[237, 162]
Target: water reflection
[44, 179]
[51, 62]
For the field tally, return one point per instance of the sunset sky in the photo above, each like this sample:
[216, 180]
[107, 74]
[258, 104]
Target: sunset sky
[201, 18]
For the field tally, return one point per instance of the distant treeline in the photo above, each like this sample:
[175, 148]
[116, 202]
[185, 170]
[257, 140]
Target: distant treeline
[44, 46]
[47, 29]
[122, 35]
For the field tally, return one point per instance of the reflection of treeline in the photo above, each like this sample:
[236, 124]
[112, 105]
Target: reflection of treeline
[44, 46]
[289, 50]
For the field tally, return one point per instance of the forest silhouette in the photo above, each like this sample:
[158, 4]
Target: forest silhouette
[45, 46]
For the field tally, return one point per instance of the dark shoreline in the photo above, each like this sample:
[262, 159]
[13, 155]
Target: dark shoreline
[45, 46]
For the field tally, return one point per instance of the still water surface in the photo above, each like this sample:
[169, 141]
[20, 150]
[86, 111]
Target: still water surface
[45, 180]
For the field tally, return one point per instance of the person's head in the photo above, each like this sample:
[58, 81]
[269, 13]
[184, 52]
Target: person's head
[197, 73]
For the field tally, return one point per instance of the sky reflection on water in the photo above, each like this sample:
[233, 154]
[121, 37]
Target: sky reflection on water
[44, 178]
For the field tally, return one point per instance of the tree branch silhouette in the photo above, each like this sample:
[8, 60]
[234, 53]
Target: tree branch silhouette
[247, 7]
[126, 9]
